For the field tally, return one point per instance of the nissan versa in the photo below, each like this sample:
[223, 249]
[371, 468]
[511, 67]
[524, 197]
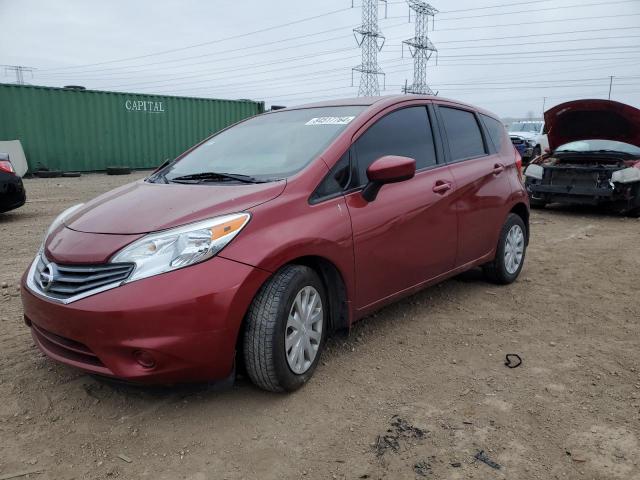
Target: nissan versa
[253, 246]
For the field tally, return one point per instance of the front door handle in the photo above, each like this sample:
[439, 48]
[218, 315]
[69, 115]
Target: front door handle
[441, 187]
[498, 168]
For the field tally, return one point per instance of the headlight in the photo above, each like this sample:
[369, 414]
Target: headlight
[534, 171]
[175, 248]
[59, 220]
[531, 143]
[626, 175]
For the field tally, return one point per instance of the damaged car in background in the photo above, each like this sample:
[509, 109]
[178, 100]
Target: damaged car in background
[529, 138]
[594, 157]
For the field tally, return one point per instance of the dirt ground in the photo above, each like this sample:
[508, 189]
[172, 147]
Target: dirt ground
[415, 391]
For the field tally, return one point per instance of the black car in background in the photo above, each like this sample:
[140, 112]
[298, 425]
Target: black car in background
[12, 194]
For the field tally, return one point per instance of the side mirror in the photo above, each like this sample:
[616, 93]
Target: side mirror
[387, 169]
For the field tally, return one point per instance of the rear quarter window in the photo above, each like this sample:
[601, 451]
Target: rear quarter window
[496, 131]
[463, 133]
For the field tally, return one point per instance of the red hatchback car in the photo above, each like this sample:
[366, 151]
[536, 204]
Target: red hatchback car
[257, 243]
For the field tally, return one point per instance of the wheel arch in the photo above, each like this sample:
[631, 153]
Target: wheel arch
[522, 211]
[333, 281]
[337, 295]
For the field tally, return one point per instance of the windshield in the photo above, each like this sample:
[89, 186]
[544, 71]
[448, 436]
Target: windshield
[534, 127]
[599, 145]
[267, 147]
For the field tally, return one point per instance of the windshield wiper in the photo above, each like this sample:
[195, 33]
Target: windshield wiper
[215, 176]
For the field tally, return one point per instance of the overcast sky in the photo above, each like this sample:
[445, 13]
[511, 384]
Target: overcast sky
[503, 55]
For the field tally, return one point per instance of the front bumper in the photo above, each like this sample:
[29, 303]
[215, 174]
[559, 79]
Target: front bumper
[628, 196]
[187, 321]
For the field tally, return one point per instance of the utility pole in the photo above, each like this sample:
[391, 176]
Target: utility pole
[610, 85]
[420, 47]
[19, 71]
[544, 103]
[368, 36]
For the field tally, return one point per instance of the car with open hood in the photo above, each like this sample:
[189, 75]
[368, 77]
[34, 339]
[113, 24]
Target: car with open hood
[253, 246]
[594, 157]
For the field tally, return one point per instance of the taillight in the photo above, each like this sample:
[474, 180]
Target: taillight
[6, 166]
[518, 163]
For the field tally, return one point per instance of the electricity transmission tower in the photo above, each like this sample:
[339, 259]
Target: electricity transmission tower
[420, 47]
[19, 71]
[370, 40]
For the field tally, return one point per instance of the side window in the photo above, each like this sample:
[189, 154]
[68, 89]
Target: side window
[495, 130]
[335, 182]
[463, 133]
[406, 132]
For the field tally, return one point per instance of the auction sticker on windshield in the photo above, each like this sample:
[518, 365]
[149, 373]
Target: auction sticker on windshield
[329, 120]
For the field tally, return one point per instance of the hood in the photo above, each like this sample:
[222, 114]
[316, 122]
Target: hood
[143, 207]
[592, 120]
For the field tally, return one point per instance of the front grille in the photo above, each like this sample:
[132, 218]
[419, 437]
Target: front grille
[517, 140]
[579, 179]
[63, 282]
[65, 347]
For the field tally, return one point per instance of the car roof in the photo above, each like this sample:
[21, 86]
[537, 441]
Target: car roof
[384, 101]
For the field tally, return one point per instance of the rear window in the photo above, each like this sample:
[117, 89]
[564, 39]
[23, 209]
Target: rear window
[463, 133]
[495, 130]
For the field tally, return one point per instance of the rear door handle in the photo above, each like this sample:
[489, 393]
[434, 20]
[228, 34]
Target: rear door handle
[441, 187]
[498, 168]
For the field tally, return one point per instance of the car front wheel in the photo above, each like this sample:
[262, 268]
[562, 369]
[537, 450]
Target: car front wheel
[510, 252]
[286, 329]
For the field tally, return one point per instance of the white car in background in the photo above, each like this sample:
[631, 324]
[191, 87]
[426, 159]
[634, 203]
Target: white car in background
[529, 138]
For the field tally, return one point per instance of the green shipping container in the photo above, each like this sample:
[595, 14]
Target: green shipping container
[88, 130]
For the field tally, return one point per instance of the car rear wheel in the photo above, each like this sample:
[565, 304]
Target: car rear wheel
[510, 252]
[286, 330]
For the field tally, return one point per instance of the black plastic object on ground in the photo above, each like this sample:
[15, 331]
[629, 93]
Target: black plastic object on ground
[118, 170]
[484, 459]
[512, 360]
[70, 174]
[47, 173]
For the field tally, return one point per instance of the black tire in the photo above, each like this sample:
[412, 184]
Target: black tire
[264, 335]
[496, 271]
[118, 170]
[70, 174]
[48, 173]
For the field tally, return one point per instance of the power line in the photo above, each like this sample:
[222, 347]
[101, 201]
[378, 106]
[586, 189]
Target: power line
[234, 37]
[442, 42]
[204, 73]
[579, 5]
[257, 45]
[547, 59]
[326, 31]
[524, 24]
[288, 24]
